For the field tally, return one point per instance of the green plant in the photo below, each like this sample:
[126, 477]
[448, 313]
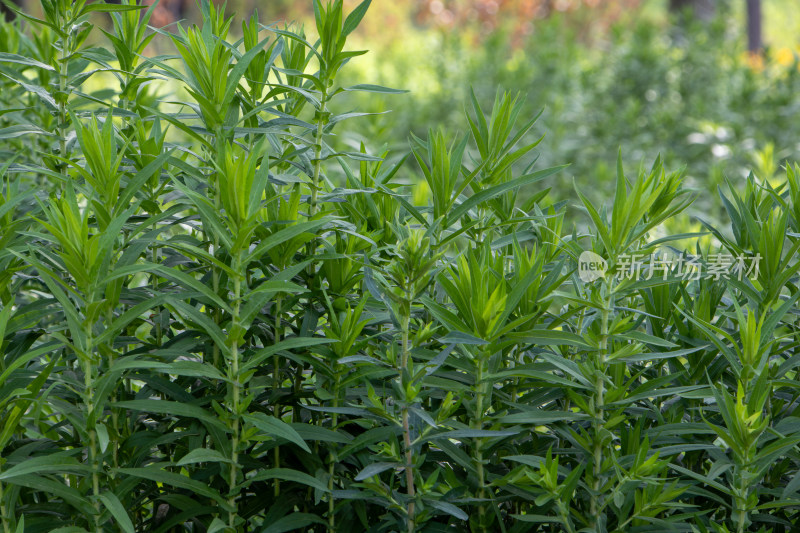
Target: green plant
[214, 316]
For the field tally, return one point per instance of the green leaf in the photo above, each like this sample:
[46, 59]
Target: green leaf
[56, 489]
[365, 87]
[283, 236]
[354, 18]
[703, 479]
[374, 469]
[293, 522]
[102, 436]
[492, 192]
[118, 511]
[550, 337]
[286, 344]
[286, 474]
[169, 408]
[541, 418]
[447, 508]
[186, 281]
[203, 455]
[205, 323]
[52, 463]
[22, 60]
[276, 428]
[459, 337]
[533, 374]
[459, 434]
[157, 474]
[102, 7]
[315, 433]
[239, 69]
[41, 92]
[19, 130]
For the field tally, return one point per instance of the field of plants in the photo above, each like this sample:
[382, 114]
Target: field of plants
[236, 295]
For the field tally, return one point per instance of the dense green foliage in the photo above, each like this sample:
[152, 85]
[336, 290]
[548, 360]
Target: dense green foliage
[216, 318]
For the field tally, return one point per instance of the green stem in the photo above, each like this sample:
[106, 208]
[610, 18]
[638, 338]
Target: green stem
[215, 273]
[312, 207]
[276, 385]
[217, 316]
[742, 519]
[331, 499]
[62, 103]
[91, 429]
[89, 366]
[3, 512]
[478, 424]
[409, 466]
[236, 388]
[742, 492]
[563, 513]
[318, 154]
[113, 396]
[333, 457]
[599, 420]
[154, 282]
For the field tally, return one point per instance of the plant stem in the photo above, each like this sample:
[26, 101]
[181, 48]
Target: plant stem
[741, 503]
[599, 405]
[317, 154]
[332, 456]
[234, 376]
[62, 103]
[3, 512]
[478, 424]
[742, 492]
[88, 381]
[409, 466]
[215, 273]
[154, 282]
[312, 207]
[563, 513]
[276, 385]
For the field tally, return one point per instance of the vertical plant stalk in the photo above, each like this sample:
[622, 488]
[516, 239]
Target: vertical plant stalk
[91, 429]
[215, 274]
[409, 456]
[600, 404]
[744, 477]
[318, 153]
[563, 514]
[312, 211]
[477, 423]
[236, 387]
[154, 288]
[62, 102]
[113, 397]
[312, 207]
[276, 382]
[741, 498]
[333, 456]
[3, 512]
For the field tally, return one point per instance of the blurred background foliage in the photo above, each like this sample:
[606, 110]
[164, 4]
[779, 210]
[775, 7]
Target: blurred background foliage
[648, 77]
[606, 75]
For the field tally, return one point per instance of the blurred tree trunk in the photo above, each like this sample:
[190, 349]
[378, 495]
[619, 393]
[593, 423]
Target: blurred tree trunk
[703, 10]
[754, 43]
[6, 11]
[167, 12]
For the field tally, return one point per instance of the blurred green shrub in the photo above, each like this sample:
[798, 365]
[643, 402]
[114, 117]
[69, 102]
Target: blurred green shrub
[693, 98]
